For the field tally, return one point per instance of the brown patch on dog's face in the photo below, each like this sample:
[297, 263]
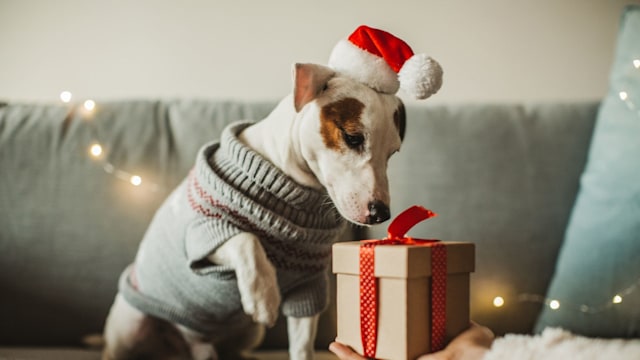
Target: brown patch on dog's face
[400, 120]
[340, 124]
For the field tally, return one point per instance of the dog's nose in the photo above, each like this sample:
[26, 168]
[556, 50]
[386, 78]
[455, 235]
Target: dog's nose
[378, 212]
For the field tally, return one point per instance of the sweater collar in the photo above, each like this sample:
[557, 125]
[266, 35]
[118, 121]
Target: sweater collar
[263, 172]
[233, 162]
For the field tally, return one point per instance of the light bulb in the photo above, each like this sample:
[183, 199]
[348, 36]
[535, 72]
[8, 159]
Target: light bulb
[623, 95]
[89, 105]
[498, 301]
[636, 63]
[617, 299]
[65, 96]
[136, 180]
[95, 150]
[554, 304]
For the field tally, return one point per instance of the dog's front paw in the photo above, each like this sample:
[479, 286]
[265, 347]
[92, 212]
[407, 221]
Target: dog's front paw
[261, 295]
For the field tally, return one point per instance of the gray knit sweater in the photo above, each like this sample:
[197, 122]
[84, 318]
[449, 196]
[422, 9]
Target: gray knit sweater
[231, 190]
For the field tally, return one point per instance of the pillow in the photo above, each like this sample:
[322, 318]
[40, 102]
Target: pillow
[597, 277]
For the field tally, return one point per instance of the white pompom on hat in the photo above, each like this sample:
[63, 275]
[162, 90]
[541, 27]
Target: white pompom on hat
[386, 63]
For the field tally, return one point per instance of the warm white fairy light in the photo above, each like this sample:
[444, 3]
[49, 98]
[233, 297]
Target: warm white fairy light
[136, 180]
[89, 105]
[95, 150]
[636, 63]
[498, 301]
[617, 299]
[554, 304]
[65, 96]
[623, 95]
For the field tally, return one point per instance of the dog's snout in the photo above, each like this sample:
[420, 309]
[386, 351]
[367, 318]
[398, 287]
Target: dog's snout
[378, 212]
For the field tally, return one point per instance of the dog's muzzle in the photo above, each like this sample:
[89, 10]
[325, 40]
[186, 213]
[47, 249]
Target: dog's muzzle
[378, 212]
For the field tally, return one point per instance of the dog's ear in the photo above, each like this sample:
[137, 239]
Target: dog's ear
[308, 81]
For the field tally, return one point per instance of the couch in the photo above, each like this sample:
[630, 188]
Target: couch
[504, 176]
[501, 176]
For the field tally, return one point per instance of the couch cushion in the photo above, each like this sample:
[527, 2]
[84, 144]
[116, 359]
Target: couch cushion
[600, 257]
[504, 177]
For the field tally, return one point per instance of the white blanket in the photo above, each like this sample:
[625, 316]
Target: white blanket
[558, 344]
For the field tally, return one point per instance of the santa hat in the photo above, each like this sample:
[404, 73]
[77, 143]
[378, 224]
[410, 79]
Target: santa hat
[386, 63]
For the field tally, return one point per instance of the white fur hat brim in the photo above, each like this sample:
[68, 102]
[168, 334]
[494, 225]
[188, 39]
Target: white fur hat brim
[362, 66]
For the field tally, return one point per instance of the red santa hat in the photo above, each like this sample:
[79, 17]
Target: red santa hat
[386, 63]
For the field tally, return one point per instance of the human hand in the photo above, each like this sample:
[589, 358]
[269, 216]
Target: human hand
[472, 344]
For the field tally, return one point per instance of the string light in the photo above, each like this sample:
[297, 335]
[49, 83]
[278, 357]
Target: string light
[615, 300]
[554, 304]
[623, 95]
[95, 150]
[89, 105]
[65, 96]
[135, 180]
[97, 153]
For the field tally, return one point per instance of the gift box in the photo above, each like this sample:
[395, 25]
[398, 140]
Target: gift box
[401, 297]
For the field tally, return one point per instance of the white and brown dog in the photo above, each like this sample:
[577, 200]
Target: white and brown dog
[334, 134]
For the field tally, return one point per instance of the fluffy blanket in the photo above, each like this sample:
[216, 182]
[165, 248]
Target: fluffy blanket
[558, 344]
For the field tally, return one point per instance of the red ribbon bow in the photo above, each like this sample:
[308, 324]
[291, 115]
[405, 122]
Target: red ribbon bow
[369, 284]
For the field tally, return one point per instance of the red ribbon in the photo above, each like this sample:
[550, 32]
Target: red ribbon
[369, 284]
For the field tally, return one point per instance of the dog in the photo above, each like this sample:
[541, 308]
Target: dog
[318, 159]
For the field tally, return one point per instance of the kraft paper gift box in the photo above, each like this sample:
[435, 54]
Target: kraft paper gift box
[402, 322]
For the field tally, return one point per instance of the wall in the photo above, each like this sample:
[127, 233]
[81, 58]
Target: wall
[492, 50]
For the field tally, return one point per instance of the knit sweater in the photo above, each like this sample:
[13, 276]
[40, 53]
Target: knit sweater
[231, 190]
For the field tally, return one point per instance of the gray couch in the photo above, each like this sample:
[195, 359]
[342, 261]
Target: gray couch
[502, 176]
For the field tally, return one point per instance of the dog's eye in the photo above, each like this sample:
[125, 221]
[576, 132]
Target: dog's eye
[353, 141]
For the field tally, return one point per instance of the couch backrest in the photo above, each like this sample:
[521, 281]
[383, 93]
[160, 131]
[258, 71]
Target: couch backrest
[503, 177]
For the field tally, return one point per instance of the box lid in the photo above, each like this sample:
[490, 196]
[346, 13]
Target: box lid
[403, 261]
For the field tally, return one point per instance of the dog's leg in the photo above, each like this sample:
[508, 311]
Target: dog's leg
[256, 276]
[120, 329]
[131, 334]
[302, 335]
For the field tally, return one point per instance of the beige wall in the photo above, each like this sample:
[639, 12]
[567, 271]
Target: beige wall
[491, 50]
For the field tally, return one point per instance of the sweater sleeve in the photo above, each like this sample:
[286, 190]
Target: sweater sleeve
[308, 299]
[203, 237]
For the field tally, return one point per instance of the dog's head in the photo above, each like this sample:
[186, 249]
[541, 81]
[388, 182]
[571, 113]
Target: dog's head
[348, 132]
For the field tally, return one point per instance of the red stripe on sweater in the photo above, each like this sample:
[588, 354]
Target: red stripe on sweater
[320, 258]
